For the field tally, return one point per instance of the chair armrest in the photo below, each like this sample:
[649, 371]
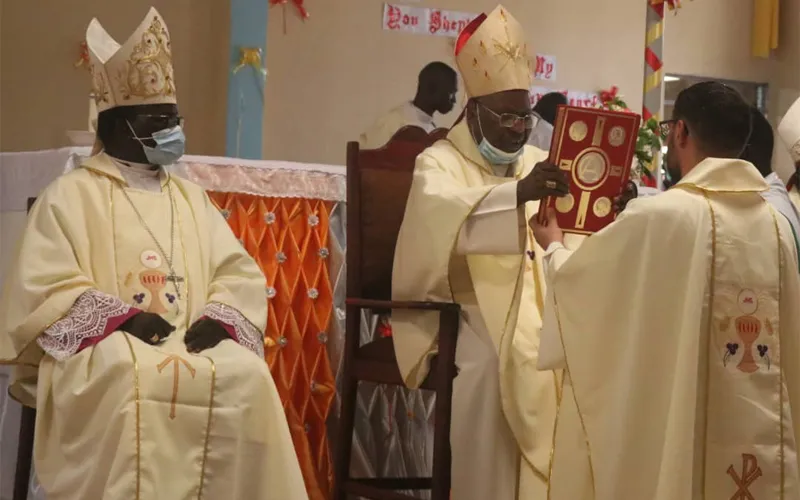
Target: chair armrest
[391, 304]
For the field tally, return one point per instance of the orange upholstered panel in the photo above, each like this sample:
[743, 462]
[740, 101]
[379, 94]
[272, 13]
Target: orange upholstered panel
[288, 237]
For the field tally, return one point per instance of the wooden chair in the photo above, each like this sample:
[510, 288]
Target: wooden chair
[27, 426]
[378, 183]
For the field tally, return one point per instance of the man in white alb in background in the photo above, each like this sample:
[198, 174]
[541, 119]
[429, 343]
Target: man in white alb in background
[436, 93]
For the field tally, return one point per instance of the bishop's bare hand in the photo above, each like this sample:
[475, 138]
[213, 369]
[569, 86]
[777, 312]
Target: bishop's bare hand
[546, 232]
[204, 334]
[546, 179]
[148, 327]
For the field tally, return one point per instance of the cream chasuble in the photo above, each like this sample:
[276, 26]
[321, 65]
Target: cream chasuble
[678, 325]
[444, 254]
[123, 419]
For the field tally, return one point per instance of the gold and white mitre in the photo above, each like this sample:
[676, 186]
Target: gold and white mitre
[136, 73]
[789, 130]
[492, 54]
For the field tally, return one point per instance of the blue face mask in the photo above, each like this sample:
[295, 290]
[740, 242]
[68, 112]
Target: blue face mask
[170, 145]
[493, 154]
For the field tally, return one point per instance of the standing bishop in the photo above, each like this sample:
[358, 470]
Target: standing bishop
[788, 157]
[464, 239]
[135, 317]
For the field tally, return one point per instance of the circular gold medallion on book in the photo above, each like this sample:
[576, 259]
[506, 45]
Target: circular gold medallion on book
[565, 203]
[602, 207]
[578, 131]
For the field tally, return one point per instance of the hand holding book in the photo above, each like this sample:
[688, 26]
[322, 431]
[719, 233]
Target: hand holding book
[595, 149]
[546, 179]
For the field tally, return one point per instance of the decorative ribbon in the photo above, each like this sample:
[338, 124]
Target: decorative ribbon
[609, 95]
[83, 57]
[672, 4]
[250, 56]
[298, 5]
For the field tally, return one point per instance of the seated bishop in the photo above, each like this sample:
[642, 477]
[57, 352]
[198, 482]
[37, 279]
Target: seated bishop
[463, 239]
[136, 319]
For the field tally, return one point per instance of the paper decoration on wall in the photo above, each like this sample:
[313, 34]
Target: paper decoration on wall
[83, 57]
[251, 56]
[545, 67]
[574, 97]
[424, 21]
[299, 6]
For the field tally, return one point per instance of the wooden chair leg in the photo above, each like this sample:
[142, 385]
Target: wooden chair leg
[22, 475]
[442, 459]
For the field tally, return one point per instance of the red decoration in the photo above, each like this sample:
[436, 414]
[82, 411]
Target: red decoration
[298, 4]
[385, 327]
[671, 4]
[83, 58]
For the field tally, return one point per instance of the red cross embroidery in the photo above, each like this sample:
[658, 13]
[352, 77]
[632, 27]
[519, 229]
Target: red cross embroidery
[750, 472]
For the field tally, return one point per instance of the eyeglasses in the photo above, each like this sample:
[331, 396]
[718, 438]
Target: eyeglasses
[510, 120]
[161, 121]
[666, 126]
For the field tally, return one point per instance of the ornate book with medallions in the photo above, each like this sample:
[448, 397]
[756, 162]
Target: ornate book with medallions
[595, 148]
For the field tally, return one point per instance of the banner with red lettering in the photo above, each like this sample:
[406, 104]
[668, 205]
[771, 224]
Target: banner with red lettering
[545, 68]
[424, 21]
[405, 19]
[448, 23]
[574, 97]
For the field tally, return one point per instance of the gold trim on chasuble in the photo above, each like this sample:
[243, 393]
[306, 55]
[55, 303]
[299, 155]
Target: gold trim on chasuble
[174, 358]
[750, 469]
[577, 406]
[138, 403]
[539, 304]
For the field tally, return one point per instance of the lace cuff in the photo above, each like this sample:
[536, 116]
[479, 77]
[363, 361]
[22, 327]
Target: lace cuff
[90, 319]
[244, 332]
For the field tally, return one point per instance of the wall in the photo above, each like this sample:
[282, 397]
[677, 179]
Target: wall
[331, 76]
[42, 95]
[711, 38]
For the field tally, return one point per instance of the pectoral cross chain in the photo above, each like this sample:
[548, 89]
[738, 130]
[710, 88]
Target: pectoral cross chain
[176, 280]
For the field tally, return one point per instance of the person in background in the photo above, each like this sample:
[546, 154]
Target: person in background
[788, 157]
[678, 327]
[545, 113]
[759, 152]
[436, 93]
[136, 319]
[464, 239]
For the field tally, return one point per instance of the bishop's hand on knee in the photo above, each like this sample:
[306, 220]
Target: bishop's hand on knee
[204, 334]
[148, 327]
